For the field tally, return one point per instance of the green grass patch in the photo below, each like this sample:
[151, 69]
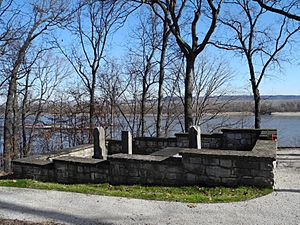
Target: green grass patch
[191, 194]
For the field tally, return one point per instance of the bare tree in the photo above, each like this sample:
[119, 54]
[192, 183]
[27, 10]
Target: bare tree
[285, 10]
[260, 43]
[178, 15]
[8, 35]
[95, 21]
[144, 64]
[162, 63]
[212, 78]
[112, 83]
[41, 80]
[42, 16]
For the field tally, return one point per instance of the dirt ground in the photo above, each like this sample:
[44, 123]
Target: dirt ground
[2, 173]
[19, 222]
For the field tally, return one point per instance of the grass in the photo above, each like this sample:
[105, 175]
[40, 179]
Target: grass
[192, 194]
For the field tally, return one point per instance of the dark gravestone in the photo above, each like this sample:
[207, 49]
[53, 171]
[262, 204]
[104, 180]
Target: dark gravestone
[126, 142]
[195, 137]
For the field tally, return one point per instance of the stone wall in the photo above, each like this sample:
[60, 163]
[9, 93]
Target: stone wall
[198, 167]
[174, 166]
[146, 170]
[41, 167]
[191, 167]
[34, 168]
[114, 146]
[148, 145]
[231, 168]
[70, 170]
[229, 139]
[240, 139]
[212, 141]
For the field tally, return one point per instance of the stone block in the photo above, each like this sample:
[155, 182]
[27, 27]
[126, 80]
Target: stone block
[100, 177]
[17, 169]
[263, 182]
[213, 181]
[266, 166]
[196, 160]
[60, 165]
[150, 180]
[210, 161]
[245, 164]
[262, 173]
[160, 143]
[230, 136]
[86, 169]
[142, 173]
[238, 136]
[246, 180]
[205, 145]
[230, 146]
[231, 182]
[227, 163]
[173, 169]
[194, 168]
[244, 142]
[191, 178]
[133, 173]
[44, 171]
[241, 172]
[215, 171]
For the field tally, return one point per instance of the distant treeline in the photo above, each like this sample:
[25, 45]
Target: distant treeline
[269, 104]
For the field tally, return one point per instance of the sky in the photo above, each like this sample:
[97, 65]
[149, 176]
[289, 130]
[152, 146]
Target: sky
[283, 82]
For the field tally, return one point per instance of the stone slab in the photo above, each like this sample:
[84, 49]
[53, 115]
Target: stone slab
[33, 161]
[167, 152]
[79, 160]
[263, 149]
[149, 158]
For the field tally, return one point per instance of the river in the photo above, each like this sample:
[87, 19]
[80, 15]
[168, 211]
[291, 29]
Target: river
[288, 127]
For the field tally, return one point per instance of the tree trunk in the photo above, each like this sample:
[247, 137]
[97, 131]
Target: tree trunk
[23, 118]
[161, 79]
[143, 105]
[188, 97]
[92, 119]
[256, 94]
[8, 119]
[15, 126]
[11, 129]
[257, 99]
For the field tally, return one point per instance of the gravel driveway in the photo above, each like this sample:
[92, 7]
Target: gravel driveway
[280, 207]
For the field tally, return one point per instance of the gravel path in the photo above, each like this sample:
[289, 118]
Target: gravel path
[280, 207]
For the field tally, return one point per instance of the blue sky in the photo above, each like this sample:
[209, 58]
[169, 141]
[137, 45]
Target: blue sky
[283, 82]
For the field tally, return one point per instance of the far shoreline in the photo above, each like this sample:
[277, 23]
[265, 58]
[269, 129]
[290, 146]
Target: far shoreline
[295, 114]
[285, 114]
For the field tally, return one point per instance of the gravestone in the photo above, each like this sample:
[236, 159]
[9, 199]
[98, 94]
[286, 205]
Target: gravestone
[195, 137]
[100, 150]
[126, 142]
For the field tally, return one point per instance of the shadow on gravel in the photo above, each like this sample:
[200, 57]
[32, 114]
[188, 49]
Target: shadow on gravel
[52, 215]
[287, 190]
